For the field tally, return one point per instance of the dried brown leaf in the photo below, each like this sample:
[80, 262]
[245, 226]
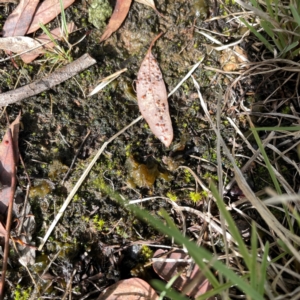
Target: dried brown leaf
[194, 283]
[20, 19]
[7, 168]
[130, 289]
[232, 60]
[19, 44]
[3, 231]
[46, 12]
[153, 98]
[119, 14]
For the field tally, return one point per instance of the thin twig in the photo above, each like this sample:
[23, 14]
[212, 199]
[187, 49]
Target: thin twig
[26, 197]
[75, 157]
[48, 82]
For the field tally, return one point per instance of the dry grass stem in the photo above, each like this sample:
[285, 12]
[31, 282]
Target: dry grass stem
[283, 233]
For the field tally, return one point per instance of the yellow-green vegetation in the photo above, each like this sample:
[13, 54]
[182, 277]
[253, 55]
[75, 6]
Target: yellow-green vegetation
[144, 175]
[128, 150]
[41, 189]
[22, 294]
[56, 123]
[172, 196]
[99, 184]
[200, 8]
[187, 176]
[197, 196]
[122, 232]
[99, 11]
[146, 253]
[56, 169]
[98, 223]
[208, 175]
[286, 110]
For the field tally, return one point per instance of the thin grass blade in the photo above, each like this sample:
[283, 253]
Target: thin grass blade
[63, 20]
[258, 35]
[295, 14]
[159, 285]
[232, 226]
[253, 270]
[263, 270]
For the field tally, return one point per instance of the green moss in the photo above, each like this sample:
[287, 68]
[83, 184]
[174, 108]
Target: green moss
[172, 196]
[21, 294]
[99, 12]
[187, 176]
[76, 198]
[85, 219]
[196, 197]
[208, 175]
[146, 253]
[41, 189]
[286, 110]
[122, 232]
[98, 223]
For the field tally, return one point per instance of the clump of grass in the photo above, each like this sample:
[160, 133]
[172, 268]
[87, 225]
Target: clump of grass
[280, 21]
[60, 55]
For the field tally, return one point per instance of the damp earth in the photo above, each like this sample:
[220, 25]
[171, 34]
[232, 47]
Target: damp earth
[96, 235]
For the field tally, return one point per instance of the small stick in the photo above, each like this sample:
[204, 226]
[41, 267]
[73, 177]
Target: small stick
[75, 157]
[48, 82]
[26, 197]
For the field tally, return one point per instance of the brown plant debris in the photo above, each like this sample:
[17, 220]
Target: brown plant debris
[153, 98]
[48, 82]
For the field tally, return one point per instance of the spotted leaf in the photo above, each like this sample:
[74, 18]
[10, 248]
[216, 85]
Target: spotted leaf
[153, 98]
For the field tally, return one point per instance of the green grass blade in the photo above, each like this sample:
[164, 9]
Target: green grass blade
[255, 4]
[263, 270]
[215, 291]
[272, 174]
[232, 226]
[162, 287]
[270, 8]
[282, 40]
[266, 159]
[199, 254]
[295, 14]
[268, 28]
[258, 35]
[290, 47]
[295, 53]
[63, 20]
[276, 10]
[48, 33]
[253, 270]
[208, 274]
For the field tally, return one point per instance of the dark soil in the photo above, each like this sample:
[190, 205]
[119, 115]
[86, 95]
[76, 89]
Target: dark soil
[96, 236]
